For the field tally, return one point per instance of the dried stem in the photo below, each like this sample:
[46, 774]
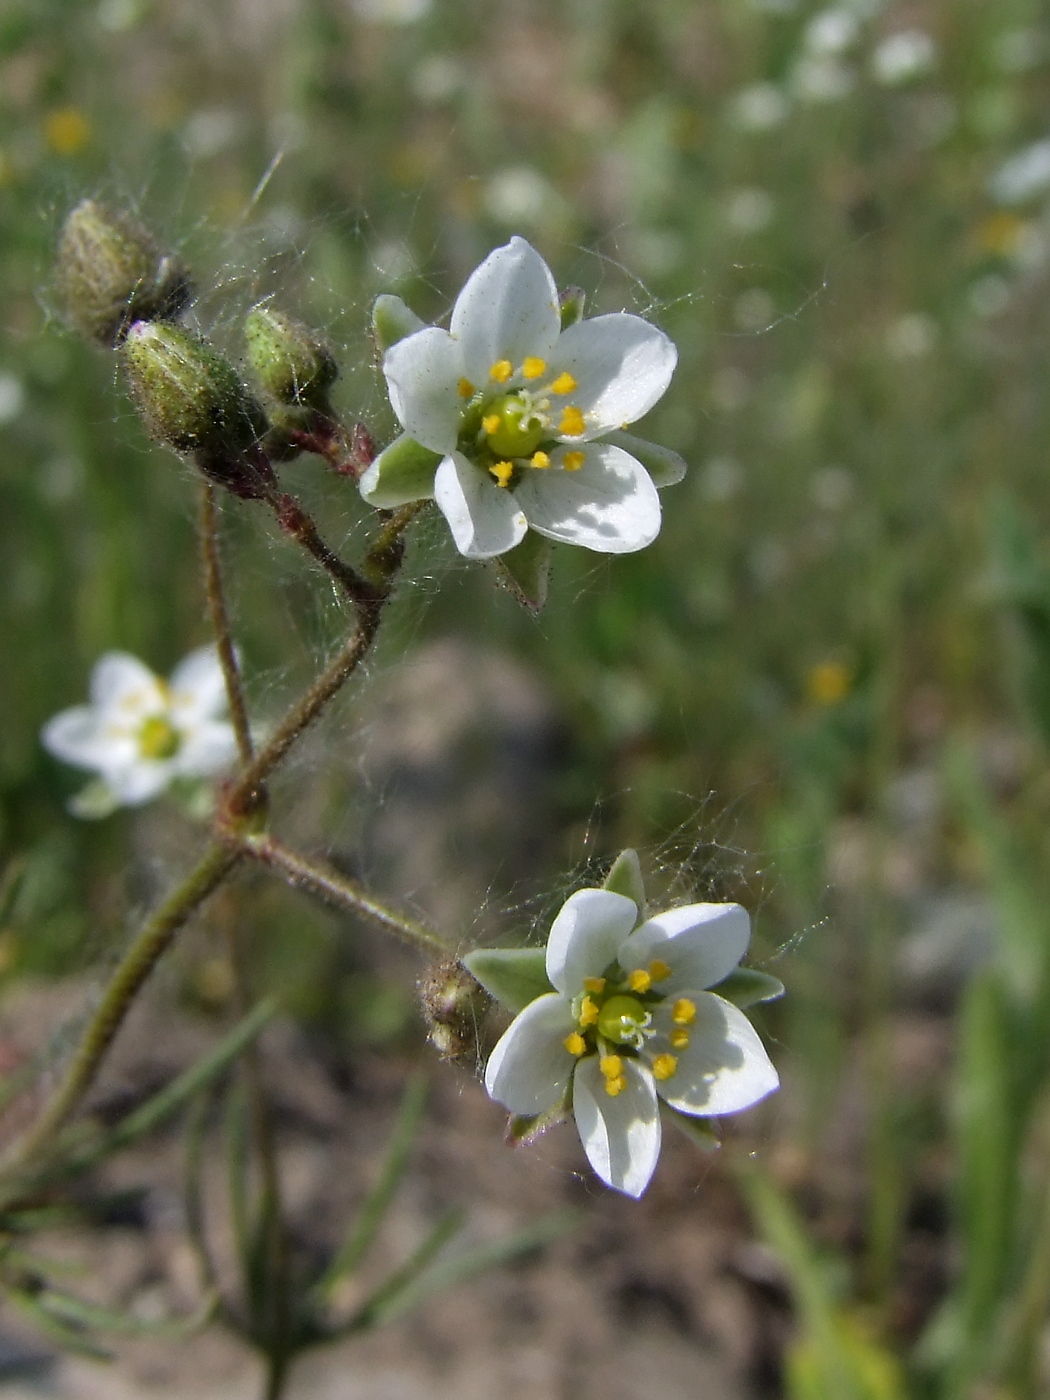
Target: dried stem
[220, 621]
[338, 889]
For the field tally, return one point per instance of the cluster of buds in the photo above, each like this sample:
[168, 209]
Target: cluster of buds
[120, 290]
[454, 1005]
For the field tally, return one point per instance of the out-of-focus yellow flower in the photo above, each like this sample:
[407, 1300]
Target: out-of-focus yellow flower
[1001, 233]
[828, 683]
[67, 131]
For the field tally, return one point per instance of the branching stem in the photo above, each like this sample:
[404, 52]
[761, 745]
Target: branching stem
[220, 621]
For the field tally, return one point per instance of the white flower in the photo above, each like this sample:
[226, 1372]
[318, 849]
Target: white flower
[901, 57]
[139, 733]
[1023, 175]
[630, 1022]
[512, 422]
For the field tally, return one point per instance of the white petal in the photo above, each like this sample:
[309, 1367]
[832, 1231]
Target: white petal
[120, 683]
[422, 374]
[622, 366]
[584, 938]
[700, 943]
[530, 1068]
[139, 782]
[80, 736]
[609, 504]
[507, 310]
[723, 1069]
[485, 519]
[197, 688]
[620, 1135]
[209, 747]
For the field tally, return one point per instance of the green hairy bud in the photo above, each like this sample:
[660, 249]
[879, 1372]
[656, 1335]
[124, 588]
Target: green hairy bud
[190, 397]
[110, 273]
[453, 1005]
[291, 362]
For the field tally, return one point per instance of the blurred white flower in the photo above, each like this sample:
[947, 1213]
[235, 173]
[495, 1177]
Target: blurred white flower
[512, 422]
[760, 107]
[631, 1023]
[392, 11]
[749, 210]
[912, 336]
[821, 78]
[12, 397]
[1023, 175]
[903, 57]
[521, 195]
[832, 31]
[140, 733]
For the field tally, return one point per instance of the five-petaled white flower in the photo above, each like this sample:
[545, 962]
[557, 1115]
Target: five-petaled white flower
[630, 1022]
[521, 420]
[139, 732]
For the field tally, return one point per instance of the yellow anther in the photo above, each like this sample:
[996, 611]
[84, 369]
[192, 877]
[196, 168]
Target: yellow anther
[594, 984]
[683, 1013]
[465, 389]
[639, 980]
[575, 1043]
[679, 1039]
[501, 371]
[491, 422]
[502, 471]
[572, 424]
[564, 384]
[540, 459]
[616, 1086]
[588, 1012]
[658, 970]
[611, 1066]
[533, 367]
[664, 1066]
[573, 461]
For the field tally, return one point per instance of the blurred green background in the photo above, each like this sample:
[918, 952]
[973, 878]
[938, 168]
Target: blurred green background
[825, 690]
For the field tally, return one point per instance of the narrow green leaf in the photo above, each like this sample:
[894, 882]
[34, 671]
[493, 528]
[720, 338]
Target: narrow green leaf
[65, 1308]
[377, 1203]
[66, 1337]
[746, 986]
[389, 1297]
[526, 569]
[625, 877]
[514, 976]
[402, 472]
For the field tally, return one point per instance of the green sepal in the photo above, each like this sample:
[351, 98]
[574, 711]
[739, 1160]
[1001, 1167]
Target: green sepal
[746, 986]
[524, 1129]
[403, 472]
[94, 801]
[514, 976]
[526, 569]
[570, 306]
[625, 878]
[664, 466]
[392, 320]
[697, 1130]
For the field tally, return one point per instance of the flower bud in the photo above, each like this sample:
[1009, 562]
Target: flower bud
[291, 362]
[453, 1005]
[190, 397]
[110, 273]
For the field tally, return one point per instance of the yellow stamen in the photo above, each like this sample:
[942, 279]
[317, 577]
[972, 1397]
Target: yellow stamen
[588, 1012]
[540, 459]
[664, 1066]
[658, 970]
[616, 1086]
[502, 471]
[465, 389]
[491, 422]
[683, 1013]
[573, 461]
[533, 367]
[572, 424]
[501, 371]
[679, 1039]
[639, 980]
[594, 984]
[564, 384]
[611, 1066]
[575, 1043]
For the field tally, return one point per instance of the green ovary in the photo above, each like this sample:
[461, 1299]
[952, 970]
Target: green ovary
[158, 738]
[518, 433]
[621, 1019]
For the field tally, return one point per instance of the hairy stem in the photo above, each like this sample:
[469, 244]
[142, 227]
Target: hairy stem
[220, 621]
[334, 888]
[299, 526]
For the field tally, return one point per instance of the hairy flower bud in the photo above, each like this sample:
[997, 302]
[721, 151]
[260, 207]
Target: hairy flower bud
[191, 398]
[291, 362]
[110, 273]
[453, 1004]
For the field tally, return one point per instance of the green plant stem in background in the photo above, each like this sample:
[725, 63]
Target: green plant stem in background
[220, 621]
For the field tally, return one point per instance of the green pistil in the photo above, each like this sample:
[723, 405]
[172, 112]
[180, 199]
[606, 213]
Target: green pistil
[621, 1020]
[158, 738]
[519, 433]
